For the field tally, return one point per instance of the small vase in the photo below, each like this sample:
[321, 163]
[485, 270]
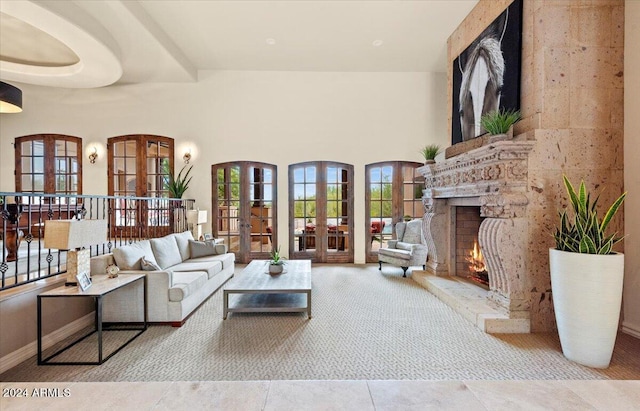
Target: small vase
[275, 268]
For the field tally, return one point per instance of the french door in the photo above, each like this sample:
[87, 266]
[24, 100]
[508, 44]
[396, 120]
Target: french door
[244, 208]
[394, 193]
[138, 166]
[321, 212]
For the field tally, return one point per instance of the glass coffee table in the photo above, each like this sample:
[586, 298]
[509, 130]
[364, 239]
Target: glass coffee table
[255, 290]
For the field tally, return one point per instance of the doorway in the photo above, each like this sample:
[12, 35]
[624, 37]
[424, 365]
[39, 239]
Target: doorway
[244, 208]
[321, 212]
[394, 194]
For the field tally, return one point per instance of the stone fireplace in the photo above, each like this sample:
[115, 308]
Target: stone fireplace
[492, 178]
[571, 100]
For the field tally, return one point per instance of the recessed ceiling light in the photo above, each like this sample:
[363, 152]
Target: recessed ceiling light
[377, 43]
[271, 41]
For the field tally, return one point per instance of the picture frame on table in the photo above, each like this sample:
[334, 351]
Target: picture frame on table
[208, 236]
[84, 282]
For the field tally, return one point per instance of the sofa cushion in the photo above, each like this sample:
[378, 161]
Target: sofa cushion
[149, 265]
[182, 239]
[210, 267]
[186, 284]
[166, 252]
[205, 248]
[227, 259]
[128, 257]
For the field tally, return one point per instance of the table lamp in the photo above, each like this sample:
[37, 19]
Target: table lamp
[74, 235]
[195, 218]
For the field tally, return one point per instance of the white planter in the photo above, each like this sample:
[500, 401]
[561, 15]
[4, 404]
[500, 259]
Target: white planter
[587, 293]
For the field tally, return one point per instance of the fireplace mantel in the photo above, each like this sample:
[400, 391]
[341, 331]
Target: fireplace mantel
[499, 167]
[493, 177]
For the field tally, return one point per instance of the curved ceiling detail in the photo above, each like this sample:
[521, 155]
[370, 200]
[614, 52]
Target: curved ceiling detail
[90, 56]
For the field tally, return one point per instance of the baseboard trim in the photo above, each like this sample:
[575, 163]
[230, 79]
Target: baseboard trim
[22, 354]
[630, 329]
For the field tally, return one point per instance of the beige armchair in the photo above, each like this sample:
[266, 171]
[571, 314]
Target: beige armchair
[408, 249]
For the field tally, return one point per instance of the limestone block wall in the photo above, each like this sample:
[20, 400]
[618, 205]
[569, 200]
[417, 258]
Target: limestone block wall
[572, 91]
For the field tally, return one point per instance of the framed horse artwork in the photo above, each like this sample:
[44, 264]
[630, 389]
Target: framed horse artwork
[486, 75]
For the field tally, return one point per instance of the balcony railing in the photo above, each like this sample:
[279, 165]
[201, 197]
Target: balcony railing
[129, 219]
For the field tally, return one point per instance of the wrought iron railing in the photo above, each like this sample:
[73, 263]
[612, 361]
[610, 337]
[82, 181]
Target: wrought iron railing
[24, 259]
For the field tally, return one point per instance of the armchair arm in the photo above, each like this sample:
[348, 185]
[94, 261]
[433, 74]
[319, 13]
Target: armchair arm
[419, 253]
[392, 244]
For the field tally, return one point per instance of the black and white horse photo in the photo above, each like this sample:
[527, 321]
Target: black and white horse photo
[487, 75]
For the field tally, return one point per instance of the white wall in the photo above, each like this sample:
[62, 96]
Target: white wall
[274, 117]
[631, 297]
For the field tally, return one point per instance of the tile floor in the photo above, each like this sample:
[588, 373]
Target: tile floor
[325, 395]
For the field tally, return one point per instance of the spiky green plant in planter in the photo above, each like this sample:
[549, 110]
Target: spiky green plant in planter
[177, 185]
[276, 258]
[586, 280]
[585, 233]
[429, 152]
[276, 263]
[499, 121]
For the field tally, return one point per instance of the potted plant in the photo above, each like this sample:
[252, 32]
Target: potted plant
[177, 185]
[276, 263]
[586, 280]
[499, 123]
[429, 152]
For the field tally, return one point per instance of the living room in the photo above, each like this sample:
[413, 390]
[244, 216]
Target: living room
[283, 114]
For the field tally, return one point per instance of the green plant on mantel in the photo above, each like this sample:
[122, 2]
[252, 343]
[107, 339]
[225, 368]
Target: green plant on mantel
[429, 152]
[499, 121]
[585, 233]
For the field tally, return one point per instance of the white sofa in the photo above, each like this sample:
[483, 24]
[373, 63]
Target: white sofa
[181, 275]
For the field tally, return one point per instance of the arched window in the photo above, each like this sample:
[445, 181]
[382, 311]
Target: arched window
[394, 193]
[321, 211]
[48, 164]
[138, 165]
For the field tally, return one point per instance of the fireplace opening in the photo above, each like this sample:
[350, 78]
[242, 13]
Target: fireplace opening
[469, 260]
[477, 269]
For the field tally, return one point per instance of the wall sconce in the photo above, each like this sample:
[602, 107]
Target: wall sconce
[94, 155]
[187, 156]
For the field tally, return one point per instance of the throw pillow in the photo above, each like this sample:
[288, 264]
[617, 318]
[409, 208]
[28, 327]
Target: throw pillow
[149, 265]
[182, 239]
[128, 257]
[205, 248]
[166, 251]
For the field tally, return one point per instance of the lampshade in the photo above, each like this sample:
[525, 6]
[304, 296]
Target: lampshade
[197, 216]
[10, 98]
[72, 234]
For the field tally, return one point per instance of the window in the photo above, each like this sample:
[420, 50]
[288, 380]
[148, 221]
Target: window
[321, 211]
[138, 166]
[49, 164]
[394, 193]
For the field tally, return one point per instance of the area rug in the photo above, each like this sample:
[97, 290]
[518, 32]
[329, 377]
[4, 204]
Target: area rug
[366, 324]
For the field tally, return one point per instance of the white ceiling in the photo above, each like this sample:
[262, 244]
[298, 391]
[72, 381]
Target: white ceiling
[137, 41]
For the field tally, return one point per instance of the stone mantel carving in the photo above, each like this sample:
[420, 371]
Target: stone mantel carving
[493, 177]
[499, 167]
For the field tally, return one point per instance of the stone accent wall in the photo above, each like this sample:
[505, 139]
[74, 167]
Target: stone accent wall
[572, 92]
